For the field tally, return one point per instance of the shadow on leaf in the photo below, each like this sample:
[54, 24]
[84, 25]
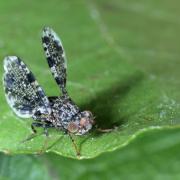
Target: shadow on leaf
[104, 105]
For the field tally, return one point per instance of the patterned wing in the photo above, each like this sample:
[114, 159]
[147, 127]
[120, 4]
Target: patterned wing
[22, 91]
[55, 55]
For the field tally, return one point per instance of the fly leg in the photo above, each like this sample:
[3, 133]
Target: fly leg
[35, 124]
[40, 124]
[34, 134]
[45, 126]
[106, 130]
[74, 144]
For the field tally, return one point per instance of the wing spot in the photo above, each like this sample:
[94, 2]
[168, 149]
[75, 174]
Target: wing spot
[30, 77]
[46, 40]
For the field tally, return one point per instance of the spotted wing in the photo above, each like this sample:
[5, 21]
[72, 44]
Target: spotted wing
[22, 91]
[55, 55]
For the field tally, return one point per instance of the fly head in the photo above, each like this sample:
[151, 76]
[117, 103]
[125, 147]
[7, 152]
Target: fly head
[82, 125]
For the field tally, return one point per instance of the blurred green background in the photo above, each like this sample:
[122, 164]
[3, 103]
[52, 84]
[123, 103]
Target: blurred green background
[123, 64]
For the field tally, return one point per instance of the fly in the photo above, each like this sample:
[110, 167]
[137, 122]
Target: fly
[28, 100]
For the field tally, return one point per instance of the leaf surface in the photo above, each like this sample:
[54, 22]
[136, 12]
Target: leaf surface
[121, 66]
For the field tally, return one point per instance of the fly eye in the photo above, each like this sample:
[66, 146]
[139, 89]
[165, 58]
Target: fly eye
[84, 122]
[73, 127]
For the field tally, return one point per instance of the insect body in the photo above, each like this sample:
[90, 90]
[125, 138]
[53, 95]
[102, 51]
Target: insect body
[27, 98]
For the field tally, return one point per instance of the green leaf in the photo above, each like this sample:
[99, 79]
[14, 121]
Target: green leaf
[22, 167]
[120, 66]
[153, 155]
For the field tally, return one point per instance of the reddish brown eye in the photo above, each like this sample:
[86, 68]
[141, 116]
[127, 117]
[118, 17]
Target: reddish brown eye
[82, 121]
[72, 127]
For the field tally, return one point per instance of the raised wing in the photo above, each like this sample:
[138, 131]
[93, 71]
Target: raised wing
[55, 56]
[23, 93]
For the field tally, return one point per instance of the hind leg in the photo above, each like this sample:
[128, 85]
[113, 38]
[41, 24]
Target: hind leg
[37, 124]
[45, 126]
[34, 134]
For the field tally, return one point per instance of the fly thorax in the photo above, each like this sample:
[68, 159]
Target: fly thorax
[64, 111]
